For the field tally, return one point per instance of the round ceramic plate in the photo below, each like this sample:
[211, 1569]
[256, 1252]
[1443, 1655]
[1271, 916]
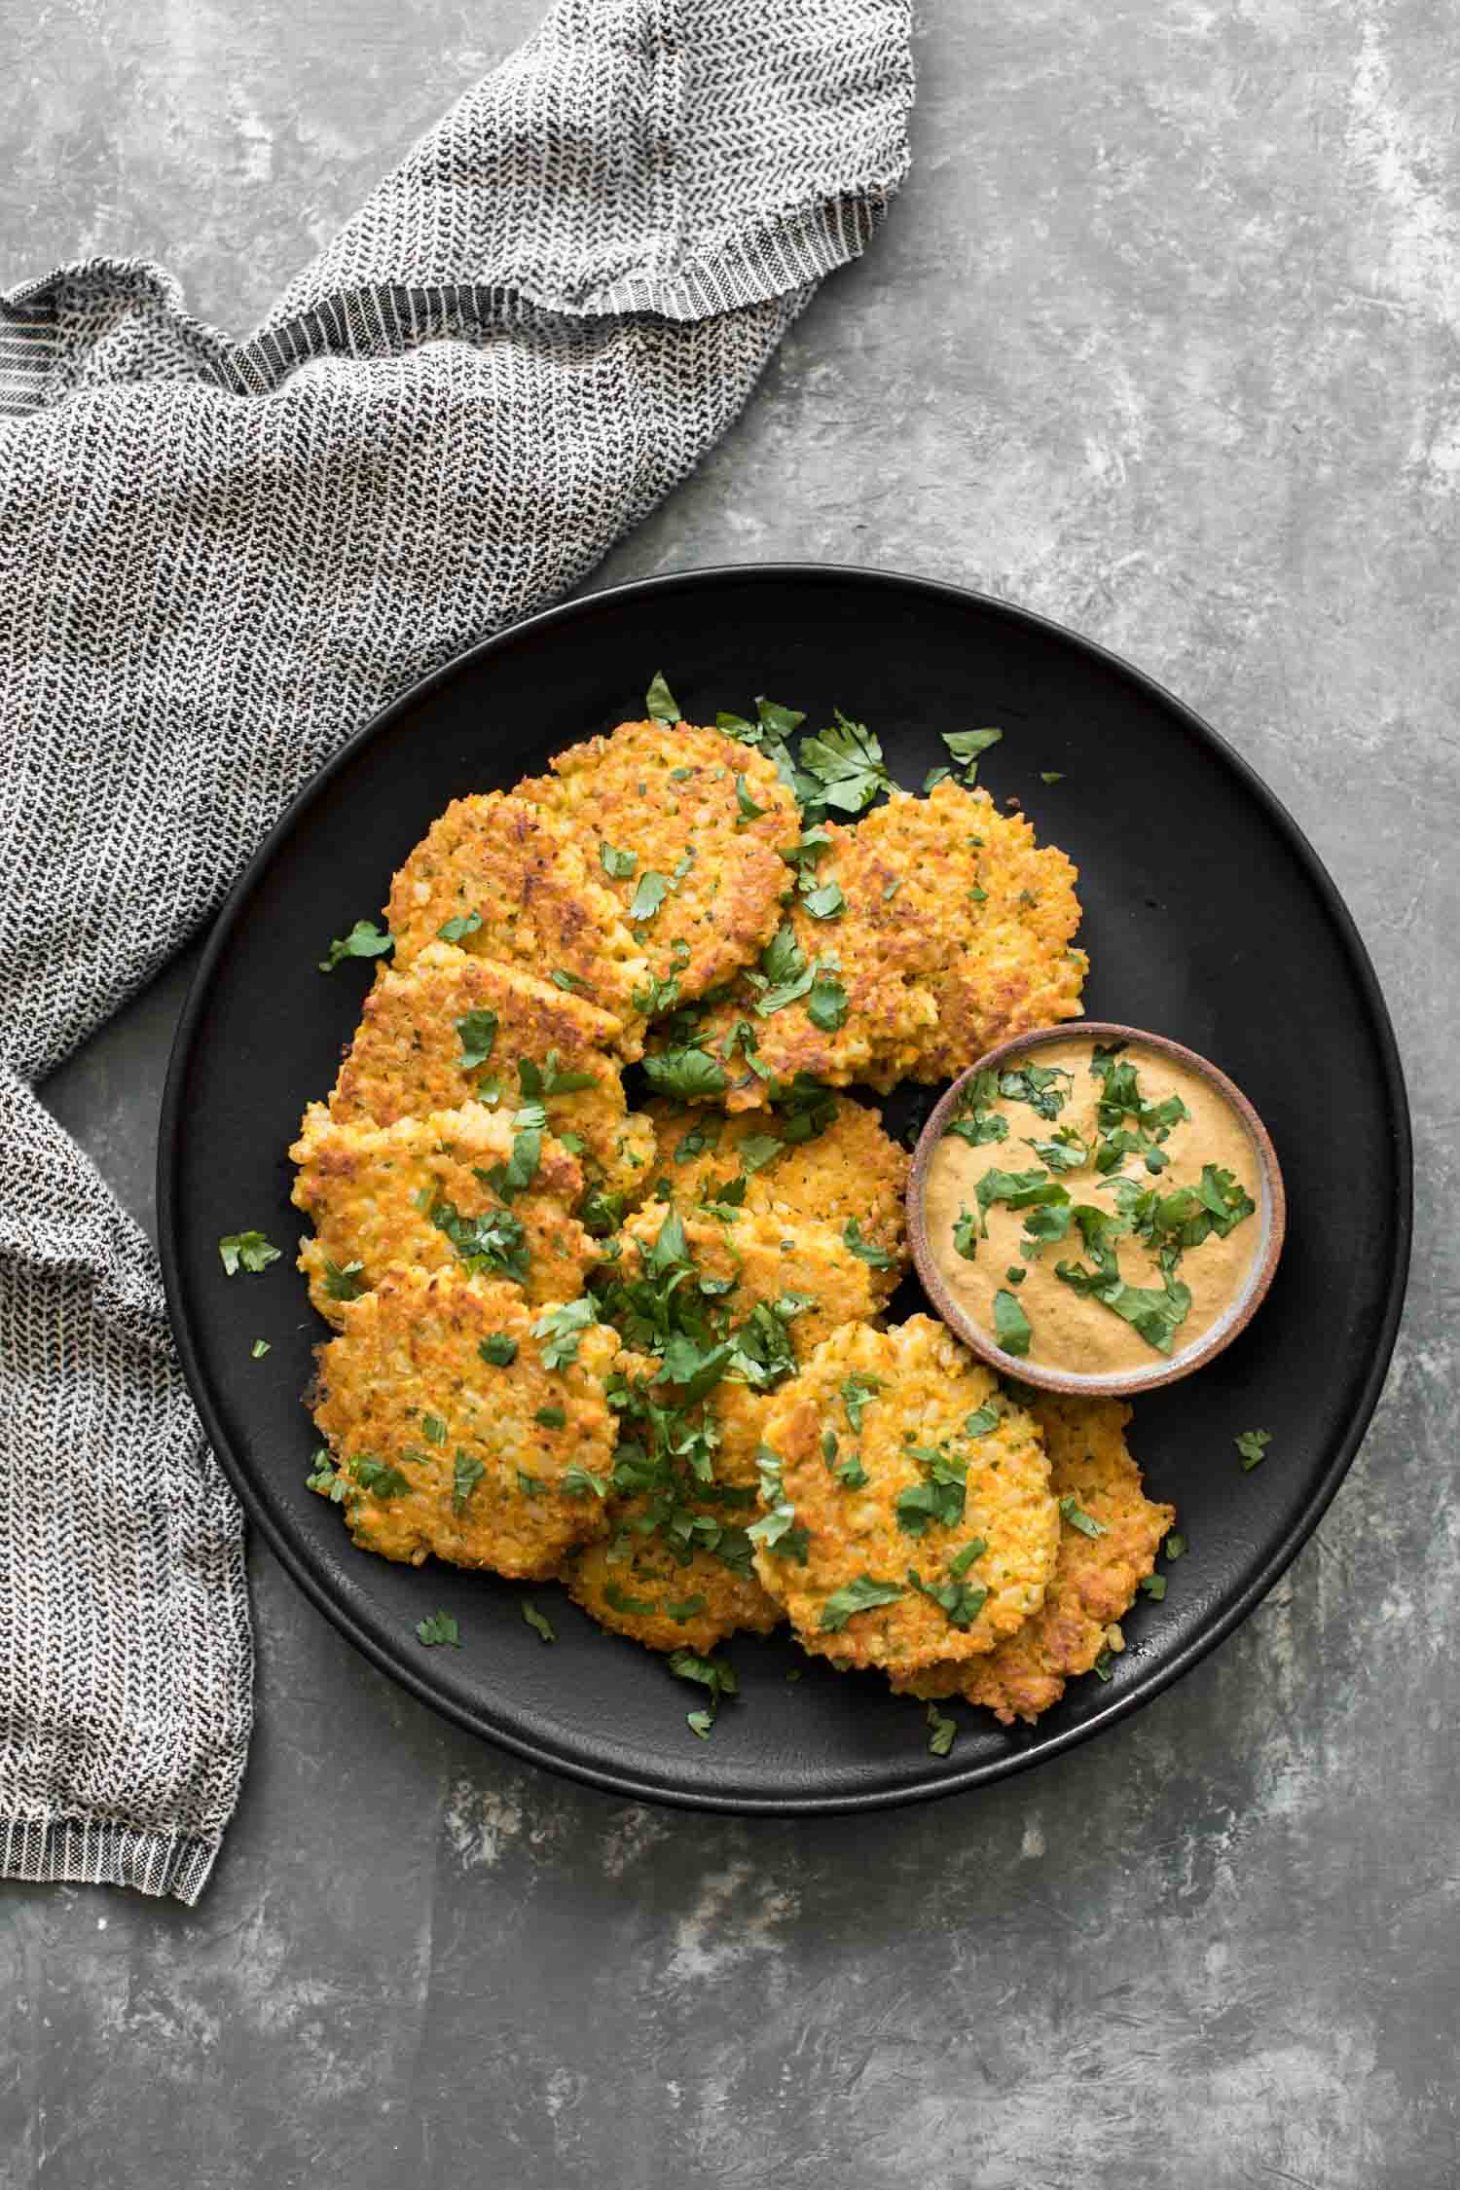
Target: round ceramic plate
[1207, 916]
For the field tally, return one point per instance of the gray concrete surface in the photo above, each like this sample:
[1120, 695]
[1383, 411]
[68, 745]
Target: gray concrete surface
[1161, 340]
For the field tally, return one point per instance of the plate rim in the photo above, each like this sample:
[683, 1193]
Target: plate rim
[620, 1782]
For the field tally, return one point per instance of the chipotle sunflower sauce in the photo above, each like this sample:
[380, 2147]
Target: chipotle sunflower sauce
[1093, 1207]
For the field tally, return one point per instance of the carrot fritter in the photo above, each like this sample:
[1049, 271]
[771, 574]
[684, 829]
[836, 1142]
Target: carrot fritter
[848, 1173]
[686, 827]
[452, 1028]
[1006, 910]
[463, 1421]
[841, 991]
[675, 1570]
[803, 1270]
[500, 879]
[437, 1192]
[1110, 1533]
[908, 1519]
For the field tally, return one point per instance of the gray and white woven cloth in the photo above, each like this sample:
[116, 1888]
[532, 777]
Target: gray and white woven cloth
[219, 558]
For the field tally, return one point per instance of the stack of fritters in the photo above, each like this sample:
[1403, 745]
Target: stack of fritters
[642, 1349]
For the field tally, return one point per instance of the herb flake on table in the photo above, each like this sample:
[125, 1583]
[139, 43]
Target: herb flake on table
[942, 1731]
[715, 1674]
[539, 1622]
[660, 705]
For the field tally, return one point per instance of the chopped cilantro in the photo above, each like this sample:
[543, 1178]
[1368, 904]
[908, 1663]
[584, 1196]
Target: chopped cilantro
[1252, 1445]
[965, 1233]
[660, 704]
[934, 777]
[342, 1281]
[862, 1595]
[1039, 1086]
[689, 1073]
[1175, 1545]
[1154, 1586]
[561, 1328]
[498, 1349]
[1012, 1328]
[581, 1482]
[827, 1003]
[538, 1621]
[715, 1674]
[464, 924]
[649, 896]
[258, 1349]
[961, 1601]
[572, 982]
[824, 900]
[942, 1732]
[324, 1478]
[1073, 1512]
[364, 940]
[246, 1251]
[493, 1241]
[981, 1421]
[478, 1031]
[845, 764]
[617, 865]
[433, 1428]
[856, 1392]
[876, 1258]
[1051, 775]
[1101, 1667]
[466, 1473]
[748, 810]
[552, 1418]
[966, 746]
[851, 1474]
[619, 1600]
[376, 1476]
[440, 1627]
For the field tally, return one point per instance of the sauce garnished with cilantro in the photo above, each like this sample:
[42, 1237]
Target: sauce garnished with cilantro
[1091, 1207]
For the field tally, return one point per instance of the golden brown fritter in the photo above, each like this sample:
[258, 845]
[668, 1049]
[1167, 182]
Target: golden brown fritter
[500, 879]
[908, 1517]
[675, 1570]
[410, 1057]
[642, 1583]
[1006, 911]
[421, 1192]
[441, 1445]
[767, 1259]
[841, 998]
[1096, 1575]
[687, 828]
[849, 1173]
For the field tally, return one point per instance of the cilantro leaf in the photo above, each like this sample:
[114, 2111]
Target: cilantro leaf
[342, 1281]
[845, 765]
[827, 1004]
[943, 1732]
[715, 1674]
[748, 810]
[466, 1473]
[539, 1622]
[376, 1476]
[961, 1601]
[856, 1392]
[965, 1233]
[1154, 1586]
[364, 940]
[876, 1258]
[618, 866]
[258, 1349]
[1072, 1511]
[246, 1251]
[478, 1031]
[561, 1329]
[581, 1482]
[440, 1627]
[1252, 1445]
[649, 896]
[824, 900]
[660, 704]
[552, 1418]
[862, 1595]
[498, 1349]
[1012, 1329]
[690, 1074]
[464, 924]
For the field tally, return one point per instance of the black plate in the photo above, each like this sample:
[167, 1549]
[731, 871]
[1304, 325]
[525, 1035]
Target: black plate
[1207, 916]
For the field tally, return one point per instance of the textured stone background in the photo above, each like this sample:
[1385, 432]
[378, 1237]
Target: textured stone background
[1160, 340]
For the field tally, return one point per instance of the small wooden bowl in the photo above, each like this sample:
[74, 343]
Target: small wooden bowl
[1272, 1215]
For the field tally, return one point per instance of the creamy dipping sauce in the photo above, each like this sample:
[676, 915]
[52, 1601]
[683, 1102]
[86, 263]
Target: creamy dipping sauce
[1094, 1209]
